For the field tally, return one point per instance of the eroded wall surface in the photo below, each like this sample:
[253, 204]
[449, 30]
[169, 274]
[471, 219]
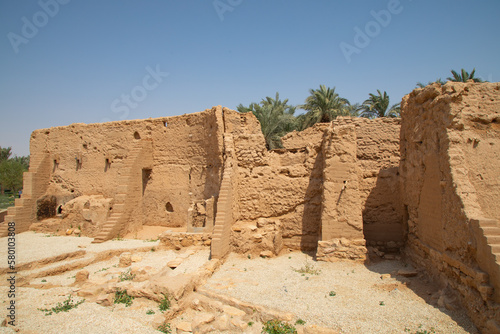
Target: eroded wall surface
[111, 159]
[450, 169]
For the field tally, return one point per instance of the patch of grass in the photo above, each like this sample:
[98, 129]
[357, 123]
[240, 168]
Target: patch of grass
[149, 312]
[164, 303]
[250, 323]
[332, 293]
[118, 238]
[102, 269]
[300, 322]
[44, 280]
[65, 306]
[278, 327]
[153, 249]
[6, 201]
[126, 276]
[308, 268]
[121, 297]
[151, 240]
[165, 328]
[381, 303]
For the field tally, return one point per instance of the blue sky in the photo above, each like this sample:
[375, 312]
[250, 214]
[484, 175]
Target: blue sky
[75, 61]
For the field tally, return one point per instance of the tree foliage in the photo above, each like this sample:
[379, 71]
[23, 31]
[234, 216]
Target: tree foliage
[5, 153]
[438, 80]
[323, 105]
[11, 170]
[276, 118]
[378, 106]
[463, 76]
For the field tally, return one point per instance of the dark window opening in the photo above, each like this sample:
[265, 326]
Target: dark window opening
[46, 207]
[59, 210]
[137, 135]
[169, 207]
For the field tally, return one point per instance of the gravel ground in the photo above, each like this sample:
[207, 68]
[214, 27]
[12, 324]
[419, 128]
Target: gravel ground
[87, 318]
[25, 252]
[360, 301]
[349, 297]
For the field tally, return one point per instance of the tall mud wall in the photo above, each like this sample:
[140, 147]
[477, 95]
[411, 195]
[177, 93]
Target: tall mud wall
[94, 160]
[450, 167]
[279, 192]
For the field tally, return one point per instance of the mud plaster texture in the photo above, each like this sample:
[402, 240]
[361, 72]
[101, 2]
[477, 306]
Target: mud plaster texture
[425, 184]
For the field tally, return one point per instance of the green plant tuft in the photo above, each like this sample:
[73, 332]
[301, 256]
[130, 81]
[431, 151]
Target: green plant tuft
[332, 293]
[165, 328]
[121, 297]
[300, 322]
[126, 276]
[149, 312]
[164, 303]
[278, 327]
[65, 306]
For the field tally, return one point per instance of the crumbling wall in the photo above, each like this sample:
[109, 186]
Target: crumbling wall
[341, 215]
[95, 159]
[279, 191]
[450, 168]
[377, 154]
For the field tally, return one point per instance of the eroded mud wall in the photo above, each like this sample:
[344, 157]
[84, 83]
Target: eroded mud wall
[450, 182]
[92, 160]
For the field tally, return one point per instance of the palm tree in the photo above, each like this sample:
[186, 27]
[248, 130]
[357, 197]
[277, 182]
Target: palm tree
[275, 117]
[464, 76]
[438, 80]
[378, 106]
[323, 105]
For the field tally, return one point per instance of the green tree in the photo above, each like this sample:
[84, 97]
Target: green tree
[463, 76]
[275, 117]
[323, 105]
[11, 175]
[378, 106]
[5, 153]
[438, 80]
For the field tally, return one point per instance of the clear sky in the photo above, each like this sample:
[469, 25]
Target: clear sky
[88, 61]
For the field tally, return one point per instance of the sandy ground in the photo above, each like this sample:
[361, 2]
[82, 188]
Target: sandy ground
[348, 297]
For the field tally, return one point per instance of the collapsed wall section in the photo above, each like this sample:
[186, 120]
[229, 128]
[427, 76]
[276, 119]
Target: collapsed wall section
[279, 191]
[450, 139]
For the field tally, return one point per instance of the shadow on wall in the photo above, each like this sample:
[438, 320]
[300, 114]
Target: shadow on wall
[383, 215]
[311, 219]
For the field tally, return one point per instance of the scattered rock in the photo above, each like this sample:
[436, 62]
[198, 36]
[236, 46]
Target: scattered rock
[69, 231]
[136, 258]
[201, 319]
[125, 260]
[175, 263]
[158, 320]
[389, 257]
[222, 323]
[184, 326]
[385, 276]
[266, 253]
[81, 276]
[105, 300]
[407, 273]
[233, 311]
[238, 323]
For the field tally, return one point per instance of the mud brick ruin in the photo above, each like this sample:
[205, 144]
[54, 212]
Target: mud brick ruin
[426, 186]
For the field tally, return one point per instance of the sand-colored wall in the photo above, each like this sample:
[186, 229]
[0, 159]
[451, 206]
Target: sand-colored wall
[186, 167]
[377, 155]
[450, 168]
